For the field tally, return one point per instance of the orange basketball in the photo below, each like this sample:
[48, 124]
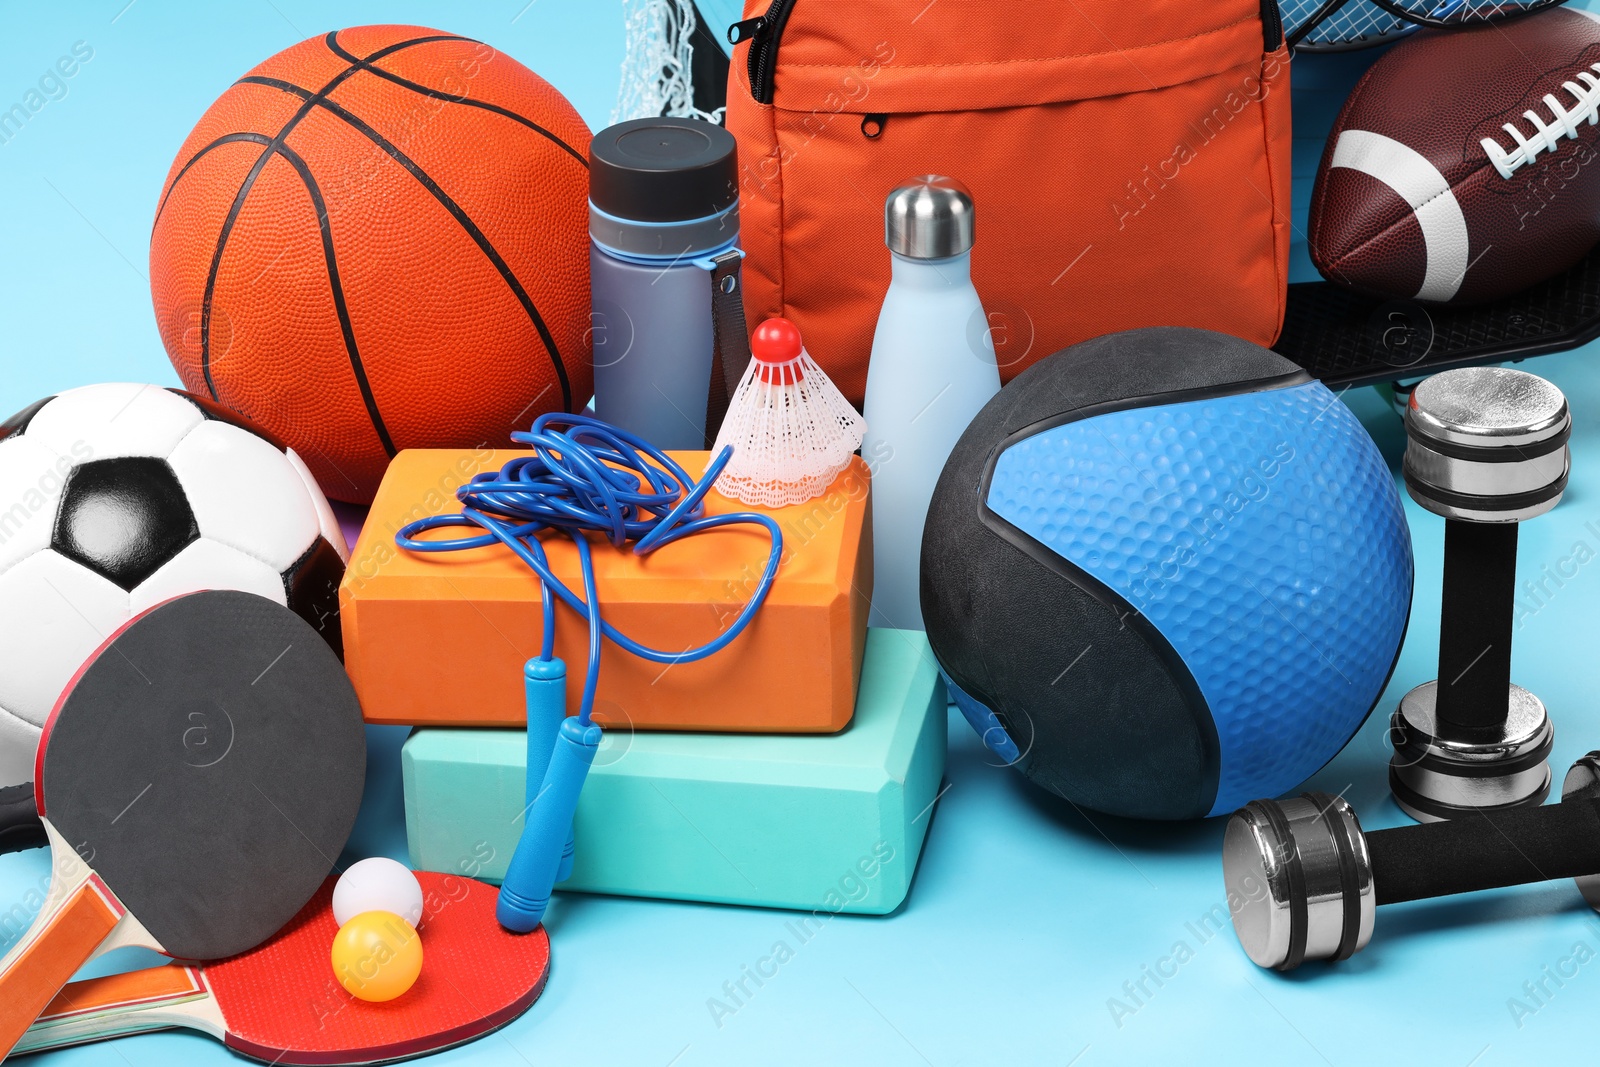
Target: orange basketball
[376, 240]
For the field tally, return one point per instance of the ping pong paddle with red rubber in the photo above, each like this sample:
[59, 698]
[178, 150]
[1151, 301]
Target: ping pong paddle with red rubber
[197, 779]
[280, 1003]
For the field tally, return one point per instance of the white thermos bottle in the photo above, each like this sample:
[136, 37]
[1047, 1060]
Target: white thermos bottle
[932, 369]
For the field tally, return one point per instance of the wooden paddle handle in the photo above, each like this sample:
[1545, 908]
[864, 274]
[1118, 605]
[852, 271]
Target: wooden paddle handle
[112, 1006]
[57, 949]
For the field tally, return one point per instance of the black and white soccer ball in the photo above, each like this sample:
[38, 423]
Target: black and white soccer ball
[114, 498]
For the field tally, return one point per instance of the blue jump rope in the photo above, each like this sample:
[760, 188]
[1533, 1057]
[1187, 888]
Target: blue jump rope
[585, 476]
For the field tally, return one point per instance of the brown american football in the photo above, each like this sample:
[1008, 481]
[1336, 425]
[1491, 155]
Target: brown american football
[1465, 165]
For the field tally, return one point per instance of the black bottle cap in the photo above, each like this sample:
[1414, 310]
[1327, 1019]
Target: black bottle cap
[663, 170]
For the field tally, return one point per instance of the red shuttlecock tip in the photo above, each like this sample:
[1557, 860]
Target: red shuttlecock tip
[776, 341]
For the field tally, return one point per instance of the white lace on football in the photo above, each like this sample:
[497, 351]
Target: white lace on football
[792, 432]
[1546, 137]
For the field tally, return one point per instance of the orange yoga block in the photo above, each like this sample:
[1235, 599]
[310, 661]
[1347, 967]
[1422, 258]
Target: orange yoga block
[440, 638]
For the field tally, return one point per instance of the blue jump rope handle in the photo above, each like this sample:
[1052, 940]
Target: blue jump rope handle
[525, 893]
[545, 683]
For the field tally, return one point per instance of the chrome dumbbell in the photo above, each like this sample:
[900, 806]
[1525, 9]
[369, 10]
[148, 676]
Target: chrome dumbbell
[1486, 449]
[1304, 881]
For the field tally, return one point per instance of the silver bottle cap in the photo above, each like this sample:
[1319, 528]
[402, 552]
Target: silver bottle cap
[928, 218]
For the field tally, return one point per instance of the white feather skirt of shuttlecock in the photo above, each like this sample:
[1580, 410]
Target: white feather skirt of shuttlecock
[791, 435]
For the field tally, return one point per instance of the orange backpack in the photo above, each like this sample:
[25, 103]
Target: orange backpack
[1129, 161]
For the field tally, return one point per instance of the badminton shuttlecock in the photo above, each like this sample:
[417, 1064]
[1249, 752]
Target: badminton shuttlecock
[791, 429]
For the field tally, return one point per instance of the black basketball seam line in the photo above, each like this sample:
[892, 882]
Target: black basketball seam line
[227, 230]
[230, 138]
[436, 94]
[455, 210]
[244, 192]
[341, 309]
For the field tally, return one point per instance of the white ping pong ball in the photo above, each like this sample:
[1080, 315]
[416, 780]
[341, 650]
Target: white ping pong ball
[377, 884]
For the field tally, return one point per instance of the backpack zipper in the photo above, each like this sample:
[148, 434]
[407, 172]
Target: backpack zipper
[764, 32]
[1271, 25]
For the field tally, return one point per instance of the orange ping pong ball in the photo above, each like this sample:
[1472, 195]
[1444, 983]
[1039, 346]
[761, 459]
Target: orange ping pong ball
[377, 956]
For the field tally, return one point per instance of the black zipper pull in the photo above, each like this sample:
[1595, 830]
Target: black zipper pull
[872, 125]
[763, 33]
[743, 31]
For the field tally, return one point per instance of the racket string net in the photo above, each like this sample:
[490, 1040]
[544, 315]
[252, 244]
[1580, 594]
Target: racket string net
[1356, 22]
[1360, 22]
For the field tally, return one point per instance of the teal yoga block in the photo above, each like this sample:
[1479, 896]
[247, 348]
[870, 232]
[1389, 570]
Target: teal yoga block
[809, 822]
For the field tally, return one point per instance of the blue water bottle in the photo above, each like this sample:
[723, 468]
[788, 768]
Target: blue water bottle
[668, 324]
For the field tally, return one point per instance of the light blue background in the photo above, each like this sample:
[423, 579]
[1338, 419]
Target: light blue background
[1026, 918]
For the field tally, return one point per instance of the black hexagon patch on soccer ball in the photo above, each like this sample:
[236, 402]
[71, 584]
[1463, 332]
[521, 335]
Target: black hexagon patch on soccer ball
[123, 518]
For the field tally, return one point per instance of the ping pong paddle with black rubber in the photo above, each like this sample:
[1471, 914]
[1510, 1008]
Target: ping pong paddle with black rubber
[197, 779]
[280, 1003]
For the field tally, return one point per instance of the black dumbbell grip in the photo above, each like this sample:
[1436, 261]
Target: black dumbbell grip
[1478, 608]
[1486, 850]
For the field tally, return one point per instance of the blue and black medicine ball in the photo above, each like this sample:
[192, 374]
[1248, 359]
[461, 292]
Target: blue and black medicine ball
[1165, 573]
